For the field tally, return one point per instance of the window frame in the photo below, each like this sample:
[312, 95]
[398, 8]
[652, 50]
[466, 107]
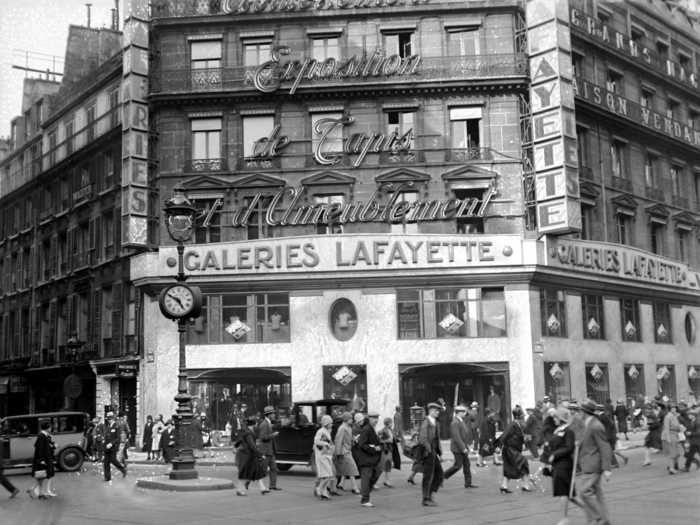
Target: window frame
[210, 62]
[589, 303]
[661, 312]
[629, 312]
[207, 135]
[546, 302]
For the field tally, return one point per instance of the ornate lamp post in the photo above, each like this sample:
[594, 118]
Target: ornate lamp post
[180, 302]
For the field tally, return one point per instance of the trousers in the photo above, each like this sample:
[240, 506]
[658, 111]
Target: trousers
[690, 455]
[591, 492]
[6, 482]
[432, 475]
[368, 477]
[271, 462]
[110, 458]
[461, 462]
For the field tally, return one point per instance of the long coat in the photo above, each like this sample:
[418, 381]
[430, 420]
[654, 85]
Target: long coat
[561, 446]
[249, 459]
[368, 450]
[621, 413]
[44, 447]
[323, 453]
[344, 462]
[157, 430]
[515, 465]
[487, 435]
[167, 443]
[458, 436]
[669, 435]
[595, 454]
[266, 442]
[147, 437]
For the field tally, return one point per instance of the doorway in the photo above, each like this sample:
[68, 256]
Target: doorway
[127, 404]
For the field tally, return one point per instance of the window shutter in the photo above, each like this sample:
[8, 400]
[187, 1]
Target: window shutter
[53, 324]
[52, 263]
[97, 327]
[117, 318]
[71, 316]
[70, 249]
[35, 342]
[90, 320]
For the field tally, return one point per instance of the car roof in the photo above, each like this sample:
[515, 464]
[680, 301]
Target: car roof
[47, 414]
[324, 402]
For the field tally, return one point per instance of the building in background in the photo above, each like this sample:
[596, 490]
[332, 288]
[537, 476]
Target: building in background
[68, 315]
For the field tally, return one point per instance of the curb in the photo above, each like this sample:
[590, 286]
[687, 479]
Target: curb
[196, 485]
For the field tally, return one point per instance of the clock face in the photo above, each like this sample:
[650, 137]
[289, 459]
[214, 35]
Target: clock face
[178, 300]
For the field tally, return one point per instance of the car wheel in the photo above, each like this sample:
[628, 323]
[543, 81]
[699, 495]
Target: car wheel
[283, 467]
[70, 459]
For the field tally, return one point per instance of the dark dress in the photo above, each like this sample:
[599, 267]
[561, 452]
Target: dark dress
[621, 416]
[147, 437]
[43, 454]
[487, 435]
[515, 465]
[167, 444]
[653, 437]
[248, 458]
[561, 446]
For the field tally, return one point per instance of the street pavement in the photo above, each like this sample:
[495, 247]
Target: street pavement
[636, 495]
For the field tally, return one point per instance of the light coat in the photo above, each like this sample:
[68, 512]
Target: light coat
[595, 453]
[458, 436]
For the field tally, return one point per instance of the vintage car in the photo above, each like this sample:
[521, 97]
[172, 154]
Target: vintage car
[295, 438]
[18, 434]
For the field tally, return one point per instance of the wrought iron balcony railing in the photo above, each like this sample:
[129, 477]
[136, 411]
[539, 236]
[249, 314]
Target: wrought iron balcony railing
[468, 154]
[429, 69]
[205, 165]
[622, 183]
[656, 194]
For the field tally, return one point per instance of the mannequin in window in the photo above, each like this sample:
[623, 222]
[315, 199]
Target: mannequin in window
[275, 320]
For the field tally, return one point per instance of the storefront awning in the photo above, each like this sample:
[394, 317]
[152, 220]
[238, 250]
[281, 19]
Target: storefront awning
[265, 375]
[451, 369]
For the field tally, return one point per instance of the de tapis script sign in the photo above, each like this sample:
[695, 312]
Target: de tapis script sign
[620, 261]
[345, 253]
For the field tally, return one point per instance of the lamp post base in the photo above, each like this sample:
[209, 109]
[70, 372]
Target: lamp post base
[183, 466]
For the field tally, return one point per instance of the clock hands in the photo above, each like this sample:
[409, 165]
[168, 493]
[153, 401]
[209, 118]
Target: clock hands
[176, 298]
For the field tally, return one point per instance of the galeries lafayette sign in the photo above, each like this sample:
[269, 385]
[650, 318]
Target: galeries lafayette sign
[620, 261]
[345, 253]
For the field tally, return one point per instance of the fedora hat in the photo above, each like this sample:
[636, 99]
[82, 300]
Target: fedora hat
[268, 410]
[460, 408]
[434, 405]
[589, 406]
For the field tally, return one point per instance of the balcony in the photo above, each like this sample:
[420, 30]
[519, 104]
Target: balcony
[205, 165]
[656, 194]
[680, 202]
[428, 70]
[621, 183]
[468, 154]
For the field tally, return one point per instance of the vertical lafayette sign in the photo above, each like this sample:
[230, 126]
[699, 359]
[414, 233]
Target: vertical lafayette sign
[134, 90]
[553, 121]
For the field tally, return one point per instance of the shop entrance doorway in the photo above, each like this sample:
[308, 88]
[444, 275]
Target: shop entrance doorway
[455, 383]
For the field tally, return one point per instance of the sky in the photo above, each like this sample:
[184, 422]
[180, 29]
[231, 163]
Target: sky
[40, 27]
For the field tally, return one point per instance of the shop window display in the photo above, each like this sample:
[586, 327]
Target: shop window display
[553, 312]
[242, 318]
[557, 381]
[597, 382]
[451, 312]
[666, 381]
[634, 385]
[662, 323]
[346, 382]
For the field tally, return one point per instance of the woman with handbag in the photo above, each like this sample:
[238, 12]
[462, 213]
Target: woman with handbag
[345, 466]
[42, 465]
[515, 466]
[560, 459]
[487, 438]
[323, 456]
[250, 461]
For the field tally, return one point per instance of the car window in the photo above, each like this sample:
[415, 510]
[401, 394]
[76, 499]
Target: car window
[25, 426]
[71, 424]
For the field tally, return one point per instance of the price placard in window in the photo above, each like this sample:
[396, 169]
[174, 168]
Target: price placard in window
[237, 329]
[451, 323]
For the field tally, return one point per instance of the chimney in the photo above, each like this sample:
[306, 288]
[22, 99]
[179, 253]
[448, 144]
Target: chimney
[88, 13]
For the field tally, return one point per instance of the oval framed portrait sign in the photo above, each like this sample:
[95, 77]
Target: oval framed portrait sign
[343, 319]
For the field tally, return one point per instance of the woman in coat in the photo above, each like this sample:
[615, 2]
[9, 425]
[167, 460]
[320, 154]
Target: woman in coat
[654, 416]
[323, 456]
[43, 463]
[249, 459]
[389, 451]
[515, 466]
[148, 437]
[345, 466]
[156, 434]
[669, 438]
[621, 414]
[560, 447]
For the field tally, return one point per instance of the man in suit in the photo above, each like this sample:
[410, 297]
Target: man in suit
[112, 440]
[266, 444]
[369, 453]
[460, 447]
[429, 441]
[594, 459]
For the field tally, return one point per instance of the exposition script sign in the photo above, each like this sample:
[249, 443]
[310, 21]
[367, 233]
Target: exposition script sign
[345, 253]
[620, 261]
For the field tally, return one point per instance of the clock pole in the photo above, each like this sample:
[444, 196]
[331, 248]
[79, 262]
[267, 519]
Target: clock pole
[179, 214]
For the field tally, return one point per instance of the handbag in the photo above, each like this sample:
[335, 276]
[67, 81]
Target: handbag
[40, 474]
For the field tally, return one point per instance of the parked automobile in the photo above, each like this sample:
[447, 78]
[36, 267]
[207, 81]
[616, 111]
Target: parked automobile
[294, 442]
[19, 434]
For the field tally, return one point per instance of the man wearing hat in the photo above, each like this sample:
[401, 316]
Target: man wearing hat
[429, 440]
[595, 457]
[459, 447]
[112, 440]
[369, 454]
[474, 422]
[266, 444]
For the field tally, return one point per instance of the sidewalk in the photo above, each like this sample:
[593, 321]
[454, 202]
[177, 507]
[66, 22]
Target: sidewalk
[225, 456]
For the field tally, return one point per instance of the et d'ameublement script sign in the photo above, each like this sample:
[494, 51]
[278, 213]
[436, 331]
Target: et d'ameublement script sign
[620, 261]
[276, 6]
[346, 253]
[379, 207]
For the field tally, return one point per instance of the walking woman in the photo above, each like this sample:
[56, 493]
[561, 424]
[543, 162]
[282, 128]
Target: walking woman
[669, 439]
[654, 416]
[390, 454]
[515, 466]
[561, 446]
[323, 456]
[148, 438]
[250, 461]
[345, 466]
[43, 463]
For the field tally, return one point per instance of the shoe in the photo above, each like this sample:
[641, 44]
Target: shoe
[389, 485]
[429, 503]
[410, 480]
[339, 487]
[646, 463]
[124, 473]
[14, 493]
[471, 486]
[325, 497]
[625, 459]
[241, 493]
[505, 490]
[334, 493]
[30, 493]
[265, 491]
[526, 489]
[367, 504]
[247, 484]
[43, 496]
[275, 488]
[355, 491]
[51, 494]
